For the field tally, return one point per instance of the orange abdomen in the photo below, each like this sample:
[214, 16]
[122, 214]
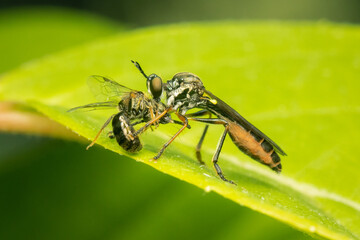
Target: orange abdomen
[253, 146]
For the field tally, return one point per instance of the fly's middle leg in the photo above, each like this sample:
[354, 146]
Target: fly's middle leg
[198, 146]
[185, 124]
[215, 158]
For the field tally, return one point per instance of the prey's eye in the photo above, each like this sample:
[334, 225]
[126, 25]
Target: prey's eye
[154, 84]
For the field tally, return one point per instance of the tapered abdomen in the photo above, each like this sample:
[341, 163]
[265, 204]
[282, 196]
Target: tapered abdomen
[254, 146]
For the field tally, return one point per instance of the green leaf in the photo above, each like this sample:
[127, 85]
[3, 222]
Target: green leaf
[296, 82]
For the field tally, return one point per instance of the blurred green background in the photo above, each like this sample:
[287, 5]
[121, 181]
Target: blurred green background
[54, 189]
[143, 12]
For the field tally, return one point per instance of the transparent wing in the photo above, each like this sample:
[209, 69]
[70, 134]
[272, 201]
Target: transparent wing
[95, 106]
[105, 89]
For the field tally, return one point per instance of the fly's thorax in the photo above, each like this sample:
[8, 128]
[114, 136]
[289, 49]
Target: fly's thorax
[183, 89]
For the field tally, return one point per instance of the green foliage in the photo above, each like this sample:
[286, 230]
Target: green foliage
[296, 82]
[33, 32]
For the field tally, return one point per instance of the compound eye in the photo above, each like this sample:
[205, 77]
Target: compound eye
[155, 85]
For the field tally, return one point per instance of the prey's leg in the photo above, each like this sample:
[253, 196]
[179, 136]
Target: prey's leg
[98, 134]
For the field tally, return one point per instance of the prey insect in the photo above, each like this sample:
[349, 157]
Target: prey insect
[134, 107]
[186, 91]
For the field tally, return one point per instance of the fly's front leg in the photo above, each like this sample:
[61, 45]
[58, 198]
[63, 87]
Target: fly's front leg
[151, 122]
[153, 115]
[215, 158]
[185, 124]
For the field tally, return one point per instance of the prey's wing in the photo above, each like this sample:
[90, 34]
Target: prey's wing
[222, 108]
[105, 89]
[95, 106]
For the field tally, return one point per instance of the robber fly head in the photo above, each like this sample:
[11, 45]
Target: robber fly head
[184, 90]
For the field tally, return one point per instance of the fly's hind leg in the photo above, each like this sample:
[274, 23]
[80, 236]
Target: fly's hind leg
[199, 145]
[215, 158]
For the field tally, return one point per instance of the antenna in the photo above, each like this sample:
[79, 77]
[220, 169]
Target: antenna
[137, 65]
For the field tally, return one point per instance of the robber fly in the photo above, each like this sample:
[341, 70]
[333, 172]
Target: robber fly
[133, 106]
[186, 91]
